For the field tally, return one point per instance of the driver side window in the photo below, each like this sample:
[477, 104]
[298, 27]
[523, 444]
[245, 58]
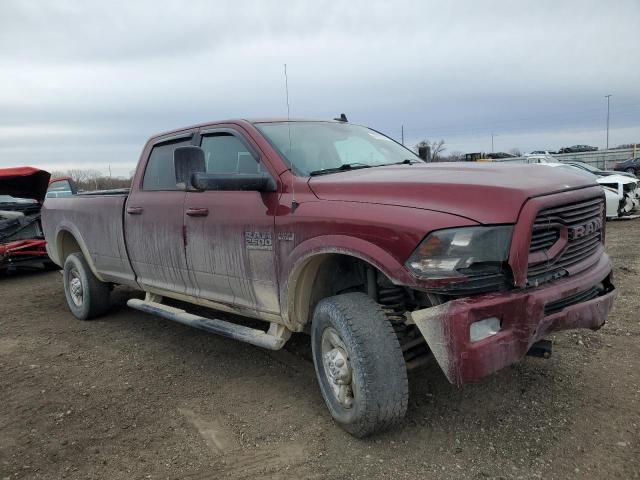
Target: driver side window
[226, 153]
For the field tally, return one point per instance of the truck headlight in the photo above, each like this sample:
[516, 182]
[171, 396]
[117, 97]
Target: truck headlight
[466, 251]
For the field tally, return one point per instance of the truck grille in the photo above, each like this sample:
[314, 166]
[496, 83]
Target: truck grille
[583, 222]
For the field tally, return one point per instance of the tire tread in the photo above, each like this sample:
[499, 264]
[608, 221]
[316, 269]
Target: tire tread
[385, 385]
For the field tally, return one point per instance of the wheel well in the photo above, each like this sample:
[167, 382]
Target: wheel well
[323, 276]
[330, 274]
[67, 244]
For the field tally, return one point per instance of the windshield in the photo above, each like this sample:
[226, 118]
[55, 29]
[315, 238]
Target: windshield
[59, 188]
[586, 166]
[577, 169]
[311, 147]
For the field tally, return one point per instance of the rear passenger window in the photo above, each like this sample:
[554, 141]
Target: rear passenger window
[225, 153]
[160, 173]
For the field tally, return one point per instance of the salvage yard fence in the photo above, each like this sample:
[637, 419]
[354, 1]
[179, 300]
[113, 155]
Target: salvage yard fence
[604, 159]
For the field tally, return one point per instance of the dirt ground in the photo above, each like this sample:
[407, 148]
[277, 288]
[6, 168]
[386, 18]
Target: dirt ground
[131, 396]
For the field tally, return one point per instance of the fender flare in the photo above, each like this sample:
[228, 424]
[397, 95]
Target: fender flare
[69, 229]
[294, 312]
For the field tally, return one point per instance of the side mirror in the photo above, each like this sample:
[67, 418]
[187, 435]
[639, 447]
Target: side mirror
[258, 182]
[187, 161]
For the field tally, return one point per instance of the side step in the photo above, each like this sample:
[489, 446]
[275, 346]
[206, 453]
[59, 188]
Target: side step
[219, 327]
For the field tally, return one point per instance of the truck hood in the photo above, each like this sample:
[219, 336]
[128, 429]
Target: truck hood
[24, 182]
[483, 192]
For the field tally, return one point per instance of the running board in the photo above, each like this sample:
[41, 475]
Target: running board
[219, 327]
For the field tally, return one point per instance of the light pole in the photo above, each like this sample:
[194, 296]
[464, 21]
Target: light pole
[491, 142]
[608, 97]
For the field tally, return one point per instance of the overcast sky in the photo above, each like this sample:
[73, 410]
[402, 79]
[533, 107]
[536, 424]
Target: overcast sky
[84, 84]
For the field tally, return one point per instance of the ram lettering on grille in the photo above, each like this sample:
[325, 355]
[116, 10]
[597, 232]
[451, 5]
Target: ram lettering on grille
[583, 222]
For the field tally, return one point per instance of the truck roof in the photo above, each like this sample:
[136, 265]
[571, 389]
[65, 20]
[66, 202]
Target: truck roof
[241, 121]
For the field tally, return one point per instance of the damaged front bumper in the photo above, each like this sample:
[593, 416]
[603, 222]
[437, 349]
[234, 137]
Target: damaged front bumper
[524, 316]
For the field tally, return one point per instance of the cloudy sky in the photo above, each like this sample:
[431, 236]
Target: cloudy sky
[84, 83]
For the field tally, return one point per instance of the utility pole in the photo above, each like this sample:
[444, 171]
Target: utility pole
[492, 142]
[402, 133]
[608, 97]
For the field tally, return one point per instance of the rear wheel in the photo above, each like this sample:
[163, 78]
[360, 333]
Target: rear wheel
[87, 296]
[359, 364]
[630, 170]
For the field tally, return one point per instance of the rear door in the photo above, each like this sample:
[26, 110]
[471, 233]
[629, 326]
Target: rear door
[153, 220]
[230, 234]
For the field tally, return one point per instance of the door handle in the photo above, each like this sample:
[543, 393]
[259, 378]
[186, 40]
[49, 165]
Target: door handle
[197, 212]
[134, 210]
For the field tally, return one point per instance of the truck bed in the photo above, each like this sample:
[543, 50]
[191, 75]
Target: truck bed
[96, 220]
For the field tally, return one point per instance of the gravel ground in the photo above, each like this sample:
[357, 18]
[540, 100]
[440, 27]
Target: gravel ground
[131, 396]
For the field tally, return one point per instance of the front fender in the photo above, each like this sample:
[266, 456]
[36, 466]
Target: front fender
[315, 248]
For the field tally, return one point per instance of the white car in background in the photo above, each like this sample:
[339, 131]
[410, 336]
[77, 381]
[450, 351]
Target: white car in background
[540, 158]
[536, 153]
[621, 192]
[626, 189]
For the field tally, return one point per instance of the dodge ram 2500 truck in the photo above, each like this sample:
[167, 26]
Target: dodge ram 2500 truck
[336, 230]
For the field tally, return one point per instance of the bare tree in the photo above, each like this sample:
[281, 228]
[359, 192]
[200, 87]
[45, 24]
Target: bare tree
[78, 175]
[456, 156]
[516, 152]
[92, 179]
[437, 148]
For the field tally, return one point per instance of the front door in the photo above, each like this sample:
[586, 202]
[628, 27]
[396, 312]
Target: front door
[153, 224]
[229, 234]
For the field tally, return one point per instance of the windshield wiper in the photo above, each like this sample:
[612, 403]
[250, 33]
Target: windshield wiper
[406, 161]
[341, 168]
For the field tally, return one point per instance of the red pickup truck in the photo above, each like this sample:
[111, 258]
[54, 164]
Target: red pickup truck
[336, 230]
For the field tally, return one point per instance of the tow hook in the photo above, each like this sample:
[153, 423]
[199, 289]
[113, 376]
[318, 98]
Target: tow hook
[541, 349]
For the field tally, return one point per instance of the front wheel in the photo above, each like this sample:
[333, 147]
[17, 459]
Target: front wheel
[87, 296]
[359, 364]
[630, 170]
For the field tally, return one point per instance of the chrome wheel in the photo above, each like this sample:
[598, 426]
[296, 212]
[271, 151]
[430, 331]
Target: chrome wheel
[337, 367]
[75, 287]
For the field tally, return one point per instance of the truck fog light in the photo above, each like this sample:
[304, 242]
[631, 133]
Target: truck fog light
[484, 328]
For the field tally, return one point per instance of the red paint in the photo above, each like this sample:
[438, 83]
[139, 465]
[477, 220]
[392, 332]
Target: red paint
[23, 248]
[523, 322]
[24, 182]
[379, 215]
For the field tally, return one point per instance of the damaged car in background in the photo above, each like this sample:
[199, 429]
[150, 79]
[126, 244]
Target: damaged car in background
[22, 243]
[626, 191]
[621, 191]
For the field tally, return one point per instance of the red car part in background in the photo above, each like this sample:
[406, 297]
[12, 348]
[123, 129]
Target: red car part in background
[22, 243]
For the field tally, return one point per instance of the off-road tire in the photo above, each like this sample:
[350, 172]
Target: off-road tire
[95, 294]
[379, 374]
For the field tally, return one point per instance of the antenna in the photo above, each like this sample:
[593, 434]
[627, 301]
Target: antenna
[286, 90]
[294, 204]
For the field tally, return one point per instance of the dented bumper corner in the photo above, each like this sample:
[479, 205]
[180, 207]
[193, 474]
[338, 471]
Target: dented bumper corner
[526, 316]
